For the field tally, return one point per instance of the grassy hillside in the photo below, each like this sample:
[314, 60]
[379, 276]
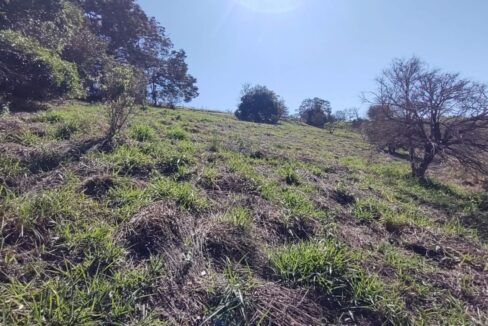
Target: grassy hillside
[198, 218]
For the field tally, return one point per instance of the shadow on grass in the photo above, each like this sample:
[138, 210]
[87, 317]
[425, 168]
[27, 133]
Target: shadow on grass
[479, 222]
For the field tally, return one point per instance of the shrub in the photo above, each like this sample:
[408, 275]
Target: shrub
[34, 73]
[260, 104]
[120, 87]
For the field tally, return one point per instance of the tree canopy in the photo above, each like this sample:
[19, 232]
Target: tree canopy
[315, 112]
[432, 114]
[260, 104]
[92, 36]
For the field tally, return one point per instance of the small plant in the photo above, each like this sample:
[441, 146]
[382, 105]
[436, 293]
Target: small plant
[238, 216]
[321, 266]
[291, 176]
[10, 167]
[367, 210]
[177, 133]
[233, 303]
[143, 133]
[4, 108]
[66, 130]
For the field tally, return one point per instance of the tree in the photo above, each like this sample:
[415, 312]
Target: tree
[260, 104]
[30, 72]
[382, 131]
[433, 114]
[340, 115]
[92, 34]
[315, 112]
[134, 38]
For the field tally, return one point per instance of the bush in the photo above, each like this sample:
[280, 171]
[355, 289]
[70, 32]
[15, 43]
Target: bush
[259, 104]
[120, 87]
[33, 73]
[315, 112]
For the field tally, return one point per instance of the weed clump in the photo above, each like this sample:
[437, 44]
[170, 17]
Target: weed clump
[367, 210]
[177, 133]
[66, 130]
[142, 133]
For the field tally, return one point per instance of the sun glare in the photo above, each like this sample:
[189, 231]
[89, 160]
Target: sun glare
[270, 6]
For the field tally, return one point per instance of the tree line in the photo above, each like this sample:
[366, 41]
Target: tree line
[61, 49]
[262, 105]
[426, 113]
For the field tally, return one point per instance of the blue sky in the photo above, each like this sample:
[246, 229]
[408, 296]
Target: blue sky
[331, 49]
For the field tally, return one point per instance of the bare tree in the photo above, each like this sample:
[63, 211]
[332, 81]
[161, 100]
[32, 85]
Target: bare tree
[433, 114]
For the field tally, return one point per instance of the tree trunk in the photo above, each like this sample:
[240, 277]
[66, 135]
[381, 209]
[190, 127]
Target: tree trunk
[418, 171]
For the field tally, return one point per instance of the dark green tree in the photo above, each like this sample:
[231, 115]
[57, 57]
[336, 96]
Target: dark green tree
[260, 104]
[315, 112]
[30, 72]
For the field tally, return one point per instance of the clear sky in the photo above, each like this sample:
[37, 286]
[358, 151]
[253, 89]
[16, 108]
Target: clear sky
[331, 49]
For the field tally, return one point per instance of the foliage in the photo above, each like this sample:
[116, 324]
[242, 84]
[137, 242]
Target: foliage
[120, 88]
[63, 44]
[260, 104]
[315, 112]
[32, 72]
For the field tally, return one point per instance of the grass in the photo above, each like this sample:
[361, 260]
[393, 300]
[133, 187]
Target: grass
[203, 176]
[142, 133]
[238, 216]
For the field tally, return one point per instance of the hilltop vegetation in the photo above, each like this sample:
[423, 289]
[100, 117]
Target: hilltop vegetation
[190, 218]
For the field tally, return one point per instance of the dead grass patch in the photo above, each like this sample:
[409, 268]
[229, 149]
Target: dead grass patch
[274, 304]
[156, 229]
[97, 187]
[224, 241]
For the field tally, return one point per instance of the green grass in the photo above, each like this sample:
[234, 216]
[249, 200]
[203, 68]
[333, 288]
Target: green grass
[238, 216]
[64, 261]
[142, 133]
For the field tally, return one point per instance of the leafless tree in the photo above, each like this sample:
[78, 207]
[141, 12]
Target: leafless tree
[432, 114]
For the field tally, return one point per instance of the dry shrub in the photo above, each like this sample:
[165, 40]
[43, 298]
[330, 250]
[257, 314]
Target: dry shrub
[156, 229]
[276, 305]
